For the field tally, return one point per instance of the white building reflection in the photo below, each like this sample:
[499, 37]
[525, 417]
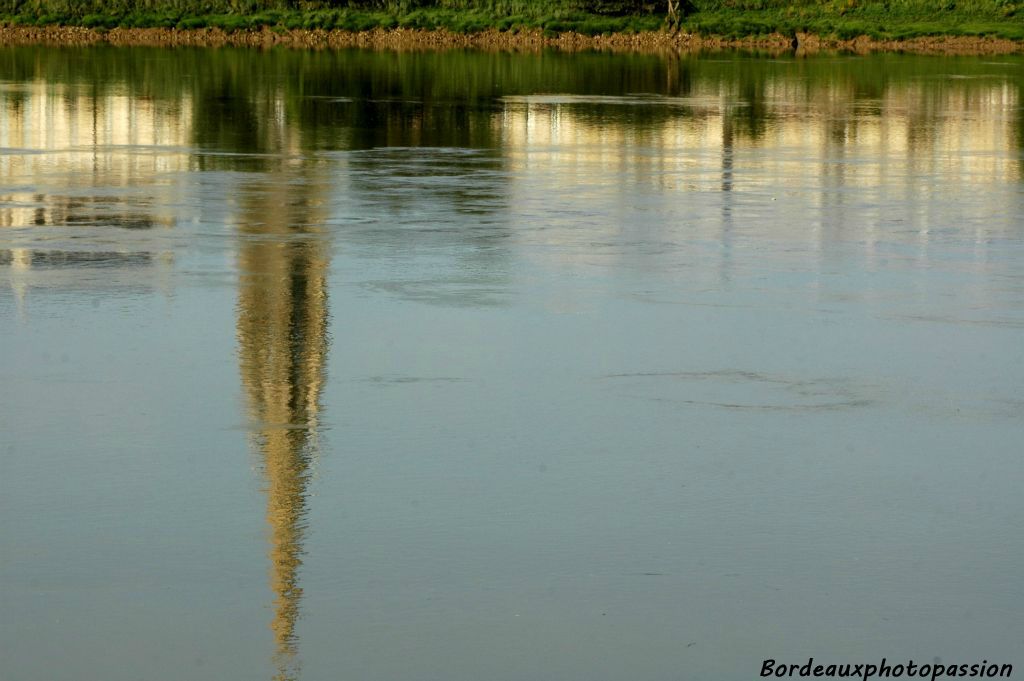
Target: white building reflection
[817, 164]
[65, 166]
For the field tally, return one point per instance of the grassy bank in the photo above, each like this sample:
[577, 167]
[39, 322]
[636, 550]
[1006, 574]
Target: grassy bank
[836, 19]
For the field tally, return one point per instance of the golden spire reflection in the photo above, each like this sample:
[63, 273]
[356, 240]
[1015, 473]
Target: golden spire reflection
[282, 337]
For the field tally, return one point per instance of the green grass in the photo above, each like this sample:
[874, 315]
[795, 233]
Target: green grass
[882, 19]
[350, 20]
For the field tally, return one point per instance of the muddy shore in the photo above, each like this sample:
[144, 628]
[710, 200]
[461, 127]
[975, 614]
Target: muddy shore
[407, 39]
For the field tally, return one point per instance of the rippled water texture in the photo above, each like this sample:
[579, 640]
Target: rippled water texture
[467, 366]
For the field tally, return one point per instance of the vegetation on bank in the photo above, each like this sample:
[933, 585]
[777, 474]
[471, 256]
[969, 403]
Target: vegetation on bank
[843, 19]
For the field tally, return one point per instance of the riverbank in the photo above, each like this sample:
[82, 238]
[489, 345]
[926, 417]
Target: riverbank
[536, 39]
[522, 40]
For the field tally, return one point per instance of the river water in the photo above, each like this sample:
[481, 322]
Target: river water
[462, 366]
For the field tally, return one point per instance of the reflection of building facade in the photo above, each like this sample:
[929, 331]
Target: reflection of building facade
[79, 135]
[124, 270]
[82, 135]
[966, 128]
[282, 335]
[818, 146]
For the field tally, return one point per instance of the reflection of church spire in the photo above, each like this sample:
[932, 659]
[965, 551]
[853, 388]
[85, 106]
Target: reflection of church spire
[282, 335]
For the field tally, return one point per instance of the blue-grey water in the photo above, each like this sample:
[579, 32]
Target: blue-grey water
[464, 366]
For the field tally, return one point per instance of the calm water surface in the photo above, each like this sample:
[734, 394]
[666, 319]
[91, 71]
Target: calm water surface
[463, 366]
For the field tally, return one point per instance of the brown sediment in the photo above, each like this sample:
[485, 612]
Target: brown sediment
[951, 45]
[410, 39]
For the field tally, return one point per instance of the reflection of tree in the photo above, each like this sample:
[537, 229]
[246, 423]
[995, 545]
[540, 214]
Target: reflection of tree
[751, 119]
[728, 142]
[678, 76]
[1018, 126]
